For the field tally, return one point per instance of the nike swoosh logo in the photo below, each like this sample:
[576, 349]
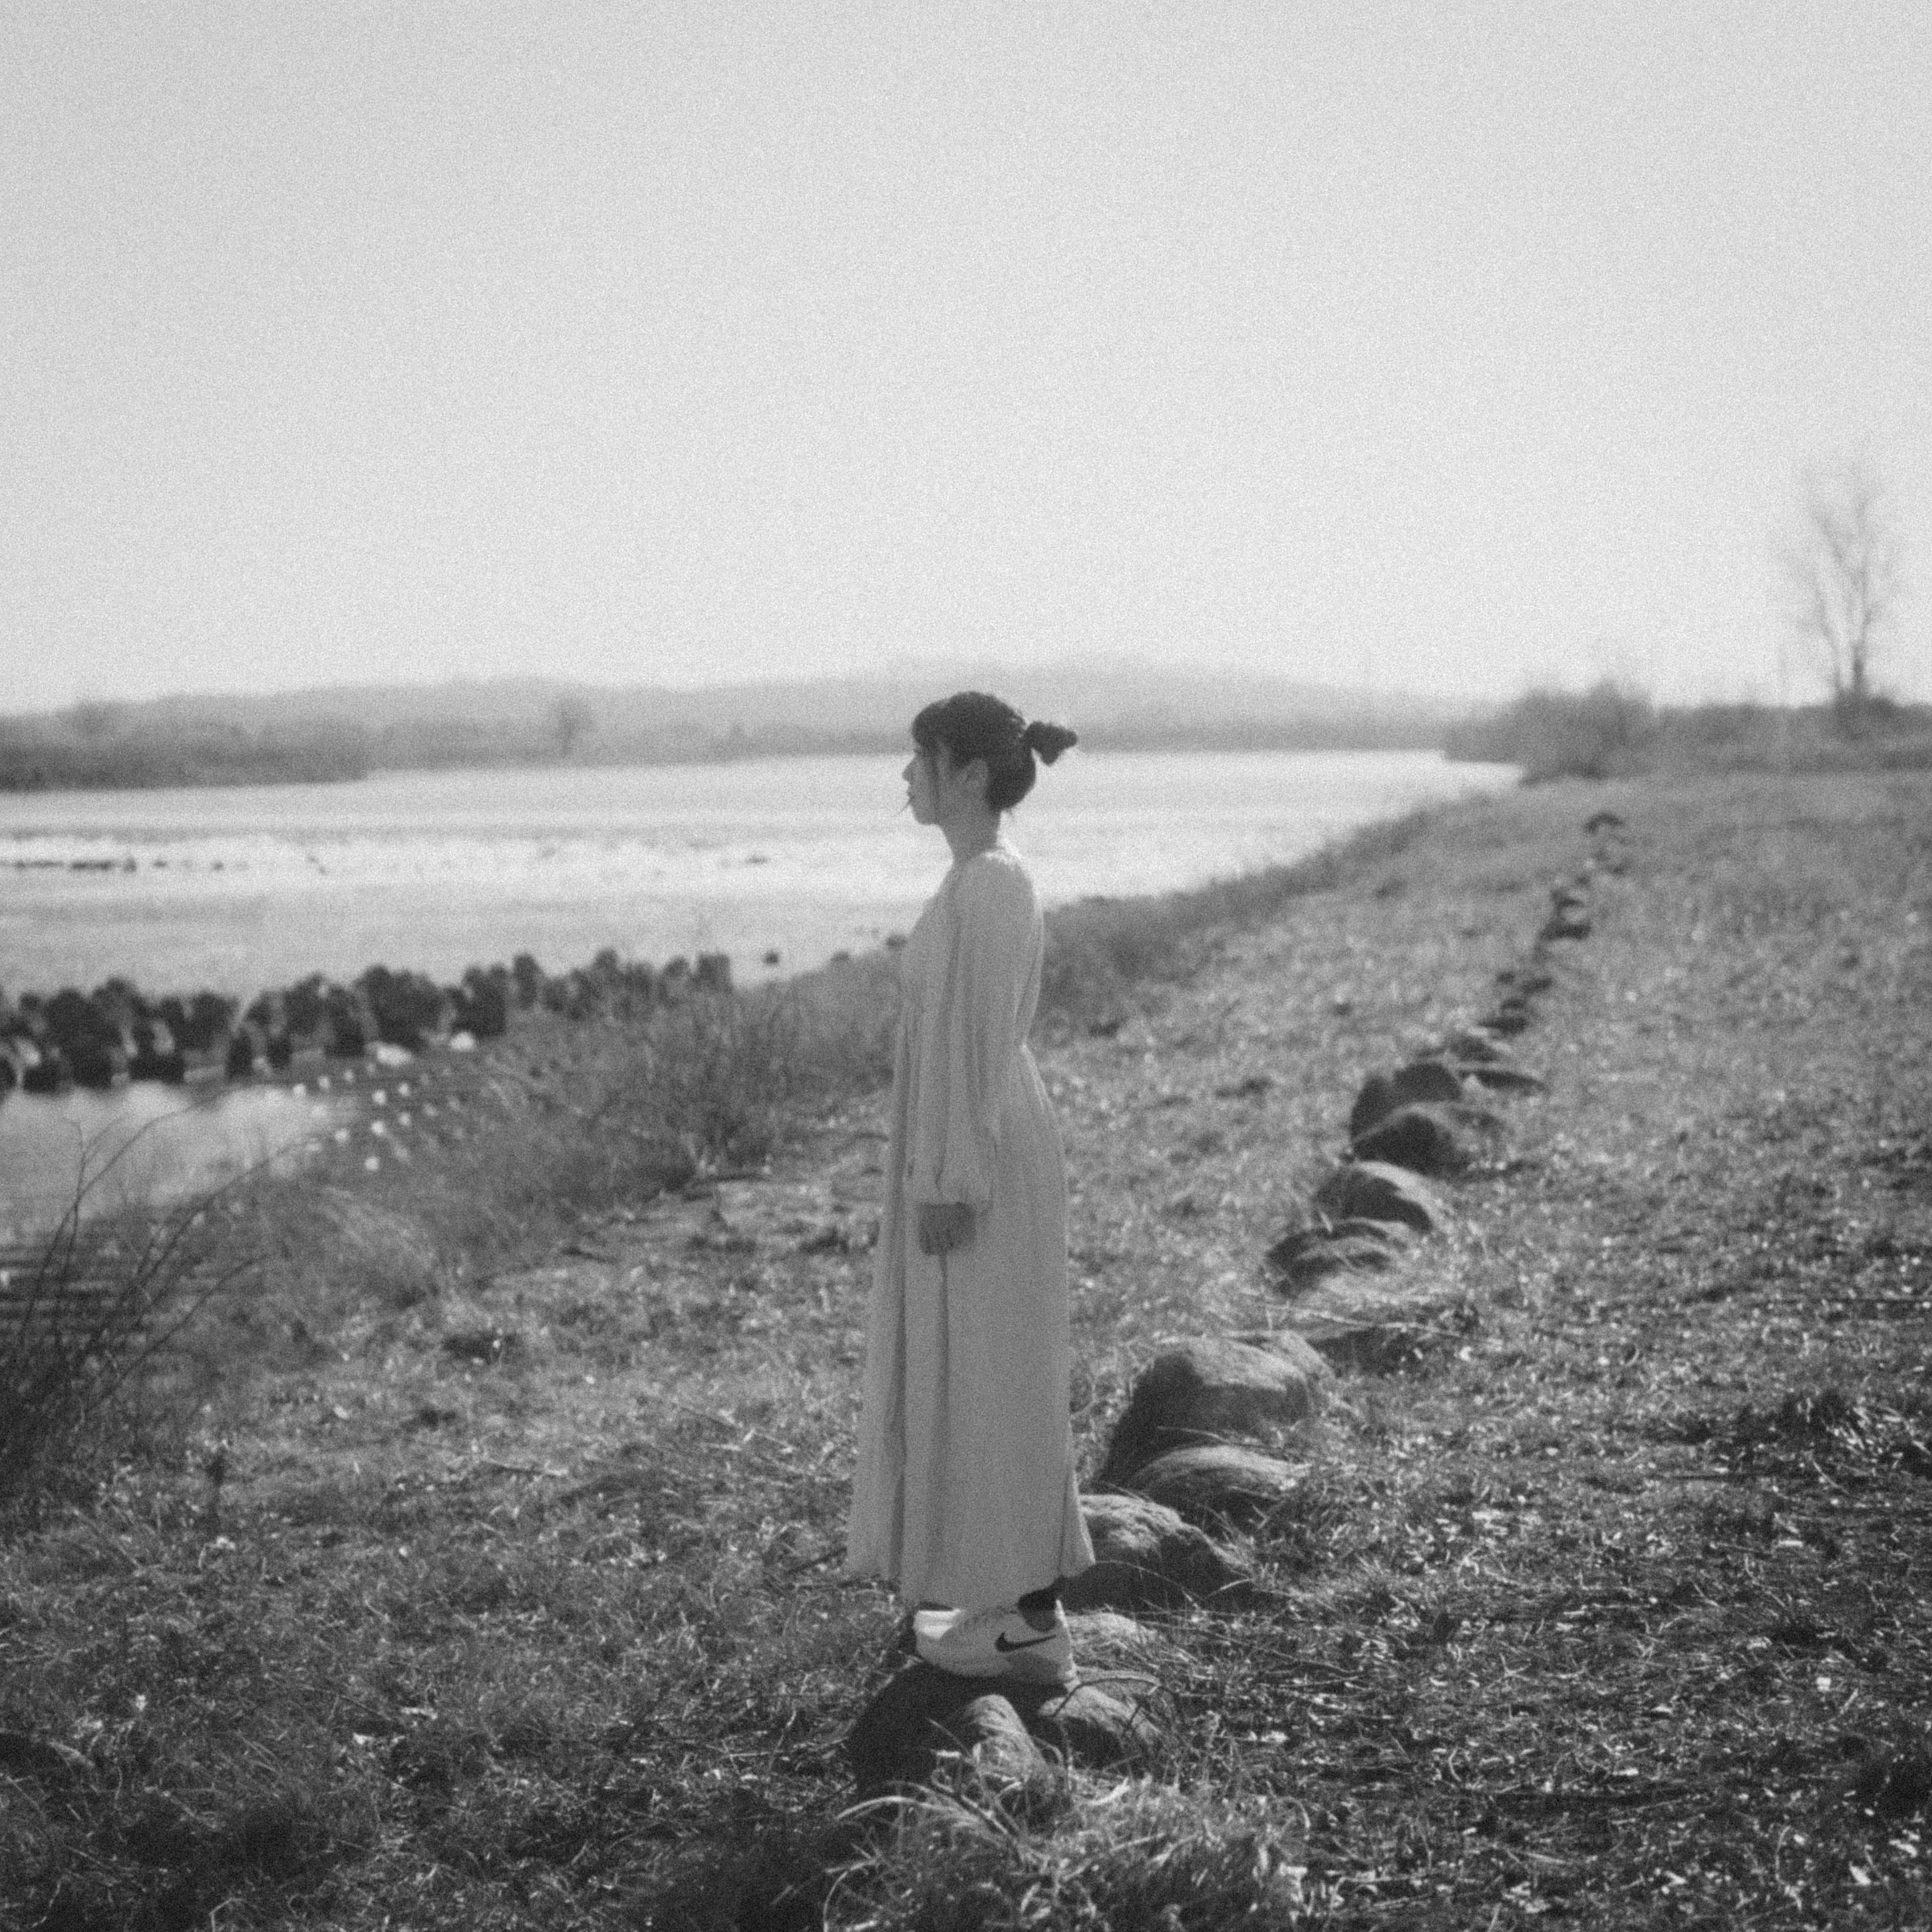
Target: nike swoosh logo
[1000, 1644]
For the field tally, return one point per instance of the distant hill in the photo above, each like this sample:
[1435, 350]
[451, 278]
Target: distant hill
[346, 731]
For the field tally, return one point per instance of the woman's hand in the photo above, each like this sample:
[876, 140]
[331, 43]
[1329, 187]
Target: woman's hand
[944, 1226]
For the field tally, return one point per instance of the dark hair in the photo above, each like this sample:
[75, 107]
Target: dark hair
[972, 724]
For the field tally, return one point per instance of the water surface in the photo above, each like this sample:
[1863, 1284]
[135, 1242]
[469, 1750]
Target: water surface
[241, 889]
[237, 889]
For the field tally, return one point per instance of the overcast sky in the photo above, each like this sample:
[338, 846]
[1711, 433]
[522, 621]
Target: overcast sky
[1440, 346]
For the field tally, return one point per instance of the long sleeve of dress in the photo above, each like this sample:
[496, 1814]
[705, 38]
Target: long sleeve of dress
[971, 1040]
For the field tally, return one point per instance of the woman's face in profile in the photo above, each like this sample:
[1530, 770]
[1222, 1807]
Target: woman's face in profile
[940, 791]
[922, 782]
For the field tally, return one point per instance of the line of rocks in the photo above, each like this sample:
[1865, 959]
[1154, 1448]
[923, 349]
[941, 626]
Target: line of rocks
[116, 1033]
[1190, 1458]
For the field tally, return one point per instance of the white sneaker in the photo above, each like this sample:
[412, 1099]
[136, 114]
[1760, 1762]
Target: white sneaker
[995, 1643]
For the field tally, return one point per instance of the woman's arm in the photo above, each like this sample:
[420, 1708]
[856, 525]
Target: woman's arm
[969, 1046]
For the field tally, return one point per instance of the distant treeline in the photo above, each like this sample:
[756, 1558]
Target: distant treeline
[1612, 731]
[110, 747]
[216, 741]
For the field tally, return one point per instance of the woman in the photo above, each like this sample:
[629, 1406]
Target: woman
[965, 1496]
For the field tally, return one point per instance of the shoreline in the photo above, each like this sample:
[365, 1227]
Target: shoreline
[149, 1035]
[1100, 950]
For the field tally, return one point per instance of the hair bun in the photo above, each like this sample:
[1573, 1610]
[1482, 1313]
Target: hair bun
[1046, 742]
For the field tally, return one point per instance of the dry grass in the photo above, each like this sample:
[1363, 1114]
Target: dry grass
[1133, 1856]
[91, 1333]
[517, 1602]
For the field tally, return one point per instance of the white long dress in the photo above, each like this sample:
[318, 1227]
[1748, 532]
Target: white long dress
[965, 1492]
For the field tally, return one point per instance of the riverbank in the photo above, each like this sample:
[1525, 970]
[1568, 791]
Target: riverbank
[507, 1594]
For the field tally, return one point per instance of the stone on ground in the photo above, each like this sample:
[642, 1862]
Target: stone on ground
[1506, 1021]
[1427, 1080]
[1307, 1255]
[1502, 1079]
[1383, 1094]
[1375, 1326]
[1429, 1138]
[1149, 1559]
[1375, 1102]
[1472, 1047]
[1209, 1388]
[922, 1713]
[1098, 1724]
[1526, 981]
[1215, 1483]
[1373, 1190]
[992, 1734]
[911, 1719]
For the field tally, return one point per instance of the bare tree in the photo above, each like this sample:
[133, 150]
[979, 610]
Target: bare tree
[1846, 568]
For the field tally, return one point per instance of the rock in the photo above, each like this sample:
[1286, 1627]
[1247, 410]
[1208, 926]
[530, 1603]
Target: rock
[1148, 1557]
[1482, 1058]
[100, 1064]
[916, 1715]
[1372, 1190]
[1506, 1021]
[1375, 1102]
[1209, 1388]
[1564, 924]
[48, 1074]
[1602, 821]
[922, 1712]
[1470, 1048]
[1428, 1138]
[1501, 1079]
[247, 1049]
[1525, 982]
[1217, 1482]
[1305, 1255]
[1096, 1724]
[1427, 1080]
[1375, 1326]
[990, 1732]
[1382, 1094]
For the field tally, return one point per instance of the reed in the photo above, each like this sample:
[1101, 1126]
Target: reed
[89, 1313]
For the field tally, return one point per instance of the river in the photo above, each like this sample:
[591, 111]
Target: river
[779, 862]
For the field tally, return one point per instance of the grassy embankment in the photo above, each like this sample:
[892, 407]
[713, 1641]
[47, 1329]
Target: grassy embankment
[1614, 731]
[519, 1602]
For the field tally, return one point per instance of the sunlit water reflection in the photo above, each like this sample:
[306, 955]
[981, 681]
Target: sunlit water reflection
[146, 1144]
[779, 862]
